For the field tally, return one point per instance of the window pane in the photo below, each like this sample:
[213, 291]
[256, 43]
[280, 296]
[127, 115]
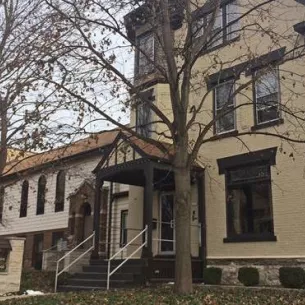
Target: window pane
[267, 95]
[249, 208]
[144, 119]
[216, 36]
[223, 94]
[233, 14]
[226, 122]
[146, 44]
[197, 28]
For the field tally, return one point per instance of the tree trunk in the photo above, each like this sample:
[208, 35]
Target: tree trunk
[183, 264]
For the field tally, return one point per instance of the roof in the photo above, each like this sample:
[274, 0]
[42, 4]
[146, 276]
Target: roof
[82, 146]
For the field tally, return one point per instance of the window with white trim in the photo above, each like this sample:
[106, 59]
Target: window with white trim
[145, 57]
[267, 95]
[224, 107]
[225, 28]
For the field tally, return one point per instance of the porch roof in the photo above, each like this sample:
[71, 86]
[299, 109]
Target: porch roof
[129, 157]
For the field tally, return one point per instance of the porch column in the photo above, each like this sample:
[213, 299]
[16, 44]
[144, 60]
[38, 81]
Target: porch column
[148, 209]
[202, 216]
[96, 221]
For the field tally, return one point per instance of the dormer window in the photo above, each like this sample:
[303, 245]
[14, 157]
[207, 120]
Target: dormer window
[225, 28]
[145, 54]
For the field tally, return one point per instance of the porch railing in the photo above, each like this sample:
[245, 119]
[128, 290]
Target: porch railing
[109, 272]
[58, 273]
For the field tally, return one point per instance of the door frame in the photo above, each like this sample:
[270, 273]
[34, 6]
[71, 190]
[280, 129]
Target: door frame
[160, 225]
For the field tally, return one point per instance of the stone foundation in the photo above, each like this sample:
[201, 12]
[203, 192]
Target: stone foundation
[268, 269]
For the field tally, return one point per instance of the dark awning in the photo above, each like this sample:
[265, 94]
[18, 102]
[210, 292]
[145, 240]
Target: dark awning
[5, 244]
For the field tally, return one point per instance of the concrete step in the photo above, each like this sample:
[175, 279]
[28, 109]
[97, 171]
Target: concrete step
[68, 288]
[100, 276]
[126, 268]
[98, 283]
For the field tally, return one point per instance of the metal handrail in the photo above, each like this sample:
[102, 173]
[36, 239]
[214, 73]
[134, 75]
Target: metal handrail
[126, 259]
[57, 274]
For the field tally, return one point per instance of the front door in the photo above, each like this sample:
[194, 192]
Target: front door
[37, 251]
[167, 245]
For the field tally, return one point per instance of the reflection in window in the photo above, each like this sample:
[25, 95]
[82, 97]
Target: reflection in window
[24, 199]
[267, 95]
[60, 191]
[123, 235]
[249, 201]
[42, 182]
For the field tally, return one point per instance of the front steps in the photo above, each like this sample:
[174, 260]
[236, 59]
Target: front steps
[94, 276]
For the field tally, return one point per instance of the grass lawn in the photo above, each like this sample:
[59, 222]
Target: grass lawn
[164, 295]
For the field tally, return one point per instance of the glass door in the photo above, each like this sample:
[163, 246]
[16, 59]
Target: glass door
[167, 245]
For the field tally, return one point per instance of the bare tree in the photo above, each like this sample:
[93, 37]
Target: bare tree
[191, 59]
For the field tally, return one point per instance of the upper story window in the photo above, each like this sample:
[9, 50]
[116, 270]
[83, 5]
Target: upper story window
[2, 193]
[60, 191]
[24, 199]
[145, 59]
[225, 27]
[267, 95]
[143, 119]
[224, 107]
[41, 194]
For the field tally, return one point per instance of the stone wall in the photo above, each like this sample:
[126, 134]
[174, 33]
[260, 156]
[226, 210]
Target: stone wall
[268, 269]
[10, 279]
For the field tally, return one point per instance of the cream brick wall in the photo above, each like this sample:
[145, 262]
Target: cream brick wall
[10, 280]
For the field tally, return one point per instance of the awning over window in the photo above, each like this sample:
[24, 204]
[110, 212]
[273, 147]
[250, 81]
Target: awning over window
[5, 244]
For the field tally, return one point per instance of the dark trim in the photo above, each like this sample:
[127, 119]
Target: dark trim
[233, 133]
[300, 27]
[225, 75]
[110, 220]
[208, 8]
[265, 155]
[122, 244]
[301, 1]
[265, 60]
[250, 238]
[277, 122]
[120, 195]
[144, 84]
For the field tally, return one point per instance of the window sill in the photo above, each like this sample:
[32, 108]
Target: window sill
[250, 238]
[268, 124]
[223, 135]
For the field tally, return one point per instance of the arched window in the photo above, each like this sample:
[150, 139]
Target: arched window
[24, 198]
[1, 202]
[42, 182]
[60, 191]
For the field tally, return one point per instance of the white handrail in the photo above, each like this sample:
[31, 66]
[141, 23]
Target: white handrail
[57, 274]
[121, 250]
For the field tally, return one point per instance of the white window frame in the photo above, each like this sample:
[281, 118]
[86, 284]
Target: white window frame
[276, 73]
[216, 109]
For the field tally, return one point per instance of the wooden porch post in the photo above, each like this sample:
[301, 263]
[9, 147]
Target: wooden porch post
[202, 216]
[96, 221]
[148, 209]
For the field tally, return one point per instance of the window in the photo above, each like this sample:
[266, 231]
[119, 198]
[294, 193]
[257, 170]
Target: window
[123, 235]
[60, 191]
[267, 95]
[41, 195]
[143, 120]
[224, 104]
[24, 199]
[2, 193]
[146, 59]
[249, 207]
[225, 28]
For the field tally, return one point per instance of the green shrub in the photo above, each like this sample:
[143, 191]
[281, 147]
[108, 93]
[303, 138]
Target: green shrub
[249, 276]
[292, 277]
[212, 276]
